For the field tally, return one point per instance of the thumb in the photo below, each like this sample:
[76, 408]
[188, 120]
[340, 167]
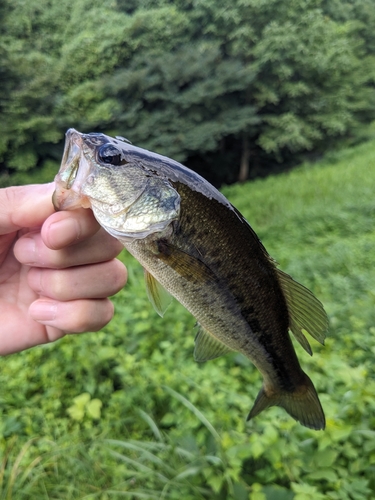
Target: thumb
[25, 206]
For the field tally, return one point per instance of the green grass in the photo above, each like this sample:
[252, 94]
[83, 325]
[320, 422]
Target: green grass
[151, 423]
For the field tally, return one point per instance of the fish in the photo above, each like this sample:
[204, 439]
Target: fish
[195, 246]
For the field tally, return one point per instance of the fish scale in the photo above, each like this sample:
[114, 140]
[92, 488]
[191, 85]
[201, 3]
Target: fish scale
[193, 243]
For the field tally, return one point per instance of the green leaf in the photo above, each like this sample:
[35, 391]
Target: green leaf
[325, 458]
[93, 408]
[327, 474]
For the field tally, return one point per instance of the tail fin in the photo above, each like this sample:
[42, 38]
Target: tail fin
[302, 404]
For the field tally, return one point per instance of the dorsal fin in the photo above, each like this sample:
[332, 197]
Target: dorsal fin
[306, 313]
[208, 347]
[158, 295]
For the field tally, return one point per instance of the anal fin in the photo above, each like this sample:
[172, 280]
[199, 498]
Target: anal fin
[208, 347]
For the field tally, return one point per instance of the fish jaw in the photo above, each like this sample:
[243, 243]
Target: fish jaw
[63, 199]
[73, 173]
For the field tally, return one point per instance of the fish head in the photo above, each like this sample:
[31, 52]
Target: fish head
[109, 176]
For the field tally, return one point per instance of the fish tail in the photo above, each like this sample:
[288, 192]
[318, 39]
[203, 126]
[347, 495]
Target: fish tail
[302, 404]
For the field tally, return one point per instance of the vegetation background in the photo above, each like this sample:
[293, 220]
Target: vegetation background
[235, 90]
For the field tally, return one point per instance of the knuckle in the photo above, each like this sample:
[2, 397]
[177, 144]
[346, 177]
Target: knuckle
[56, 285]
[95, 314]
[105, 315]
[9, 202]
[120, 276]
[52, 334]
[60, 259]
[110, 310]
[81, 323]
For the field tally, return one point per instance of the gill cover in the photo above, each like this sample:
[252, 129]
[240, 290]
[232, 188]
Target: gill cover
[127, 200]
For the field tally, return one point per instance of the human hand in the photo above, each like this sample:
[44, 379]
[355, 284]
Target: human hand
[56, 270]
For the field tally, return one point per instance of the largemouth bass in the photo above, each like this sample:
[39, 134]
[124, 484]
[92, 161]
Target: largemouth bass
[193, 243]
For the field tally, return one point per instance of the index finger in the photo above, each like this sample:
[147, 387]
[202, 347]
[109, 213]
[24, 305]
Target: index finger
[64, 228]
[25, 206]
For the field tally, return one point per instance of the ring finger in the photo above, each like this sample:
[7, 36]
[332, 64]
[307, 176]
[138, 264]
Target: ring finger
[75, 316]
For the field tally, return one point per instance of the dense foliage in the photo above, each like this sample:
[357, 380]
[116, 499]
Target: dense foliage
[232, 89]
[127, 412]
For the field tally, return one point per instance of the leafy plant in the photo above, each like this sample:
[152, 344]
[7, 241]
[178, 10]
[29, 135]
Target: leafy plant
[170, 427]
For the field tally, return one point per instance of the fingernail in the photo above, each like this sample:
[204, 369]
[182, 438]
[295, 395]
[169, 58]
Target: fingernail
[43, 311]
[63, 232]
[26, 249]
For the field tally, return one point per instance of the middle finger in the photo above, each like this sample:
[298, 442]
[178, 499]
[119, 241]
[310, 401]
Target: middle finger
[84, 282]
[32, 251]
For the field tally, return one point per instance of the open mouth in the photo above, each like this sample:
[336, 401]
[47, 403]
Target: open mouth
[69, 173]
[70, 160]
[67, 193]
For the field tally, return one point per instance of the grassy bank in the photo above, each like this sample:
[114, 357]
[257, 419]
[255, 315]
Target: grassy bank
[127, 412]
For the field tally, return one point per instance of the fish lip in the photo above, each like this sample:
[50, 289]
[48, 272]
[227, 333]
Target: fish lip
[70, 160]
[65, 194]
[56, 201]
[73, 141]
[64, 199]
[72, 135]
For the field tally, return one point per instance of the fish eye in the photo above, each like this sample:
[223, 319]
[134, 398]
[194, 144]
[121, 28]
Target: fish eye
[109, 154]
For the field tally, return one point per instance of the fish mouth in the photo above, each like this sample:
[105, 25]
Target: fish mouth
[68, 181]
[71, 156]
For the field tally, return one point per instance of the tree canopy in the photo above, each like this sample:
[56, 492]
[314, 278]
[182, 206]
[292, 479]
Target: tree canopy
[229, 89]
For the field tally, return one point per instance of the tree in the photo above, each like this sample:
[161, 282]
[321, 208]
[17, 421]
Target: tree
[184, 101]
[234, 88]
[311, 84]
[274, 78]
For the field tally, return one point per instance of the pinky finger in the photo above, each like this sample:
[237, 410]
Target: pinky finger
[75, 316]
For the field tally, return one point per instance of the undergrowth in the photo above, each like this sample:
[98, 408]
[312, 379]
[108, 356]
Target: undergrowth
[126, 412]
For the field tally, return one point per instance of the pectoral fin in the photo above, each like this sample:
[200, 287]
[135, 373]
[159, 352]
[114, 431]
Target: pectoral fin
[306, 313]
[158, 295]
[208, 347]
[186, 265]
